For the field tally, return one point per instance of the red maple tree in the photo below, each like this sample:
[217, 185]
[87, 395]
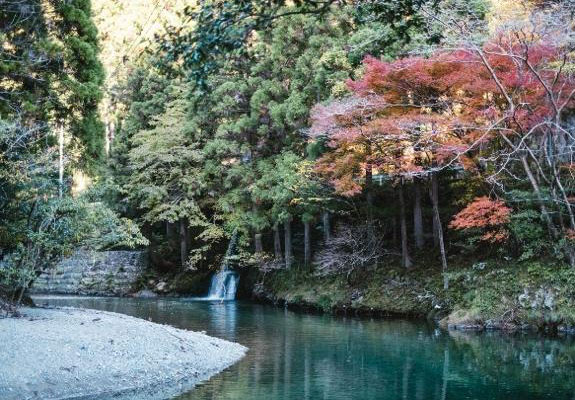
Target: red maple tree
[488, 216]
[498, 104]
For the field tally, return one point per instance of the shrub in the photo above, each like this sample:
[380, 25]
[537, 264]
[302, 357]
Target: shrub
[351, 247]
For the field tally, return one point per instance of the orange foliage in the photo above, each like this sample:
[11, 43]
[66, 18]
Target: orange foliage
[491, 216]
[413, 114]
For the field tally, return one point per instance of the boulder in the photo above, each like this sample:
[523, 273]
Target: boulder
[161, 287]
[145, 294]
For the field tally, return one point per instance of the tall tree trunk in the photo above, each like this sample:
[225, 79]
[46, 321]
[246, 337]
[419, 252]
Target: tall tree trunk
[307, 242]
[417, 215]
[108, 145]
[405, 259]
[535, 185]
[287, 244]
[277, 243]
[369, 198]
[569, 249]
[168, 230]
[394, 231]
[110, 128]
[325, 225]
[259, 247]
[61, 161]
[433, 194]
[183, 242]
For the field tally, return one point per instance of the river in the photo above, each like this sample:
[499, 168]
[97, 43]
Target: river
[301, 356]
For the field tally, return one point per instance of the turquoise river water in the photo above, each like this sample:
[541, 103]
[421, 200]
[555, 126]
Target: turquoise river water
[302, 356]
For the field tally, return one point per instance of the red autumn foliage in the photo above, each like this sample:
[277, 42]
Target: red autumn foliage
[413, 114]
[485, 214]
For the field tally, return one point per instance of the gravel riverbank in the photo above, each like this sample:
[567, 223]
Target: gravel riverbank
[69, 353]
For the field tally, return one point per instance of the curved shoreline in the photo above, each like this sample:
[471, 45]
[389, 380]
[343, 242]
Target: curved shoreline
[74, 353]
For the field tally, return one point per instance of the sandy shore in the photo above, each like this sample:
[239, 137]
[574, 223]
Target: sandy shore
[69, 353]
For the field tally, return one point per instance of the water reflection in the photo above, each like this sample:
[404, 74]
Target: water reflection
[299, 356]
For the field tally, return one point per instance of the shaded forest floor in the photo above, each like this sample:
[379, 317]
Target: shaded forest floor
[493, 294]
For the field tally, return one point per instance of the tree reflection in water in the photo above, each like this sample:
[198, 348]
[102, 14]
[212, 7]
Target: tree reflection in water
[302, 356]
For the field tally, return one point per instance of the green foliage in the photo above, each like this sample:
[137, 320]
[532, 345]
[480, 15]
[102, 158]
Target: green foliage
[78, 92]
[539, 294]
[210, 236]
[51, 78]
[164, 168]
[249, 125]
[288, 185]
[527, 229]
[230, 150]
[224, 29]
[57, 227]
[51, 72]
[529, 292]
[61, 225]
[25, 54]
[235, 153]
[13, 274]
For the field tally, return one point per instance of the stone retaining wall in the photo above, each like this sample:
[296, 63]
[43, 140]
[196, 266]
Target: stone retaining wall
[91, 272]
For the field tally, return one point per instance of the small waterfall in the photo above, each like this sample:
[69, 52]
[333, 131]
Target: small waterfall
[224, 286]
[225, 282]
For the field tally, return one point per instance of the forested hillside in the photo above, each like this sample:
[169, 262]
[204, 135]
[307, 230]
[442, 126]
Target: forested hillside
[51, 141]
[409, 157]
